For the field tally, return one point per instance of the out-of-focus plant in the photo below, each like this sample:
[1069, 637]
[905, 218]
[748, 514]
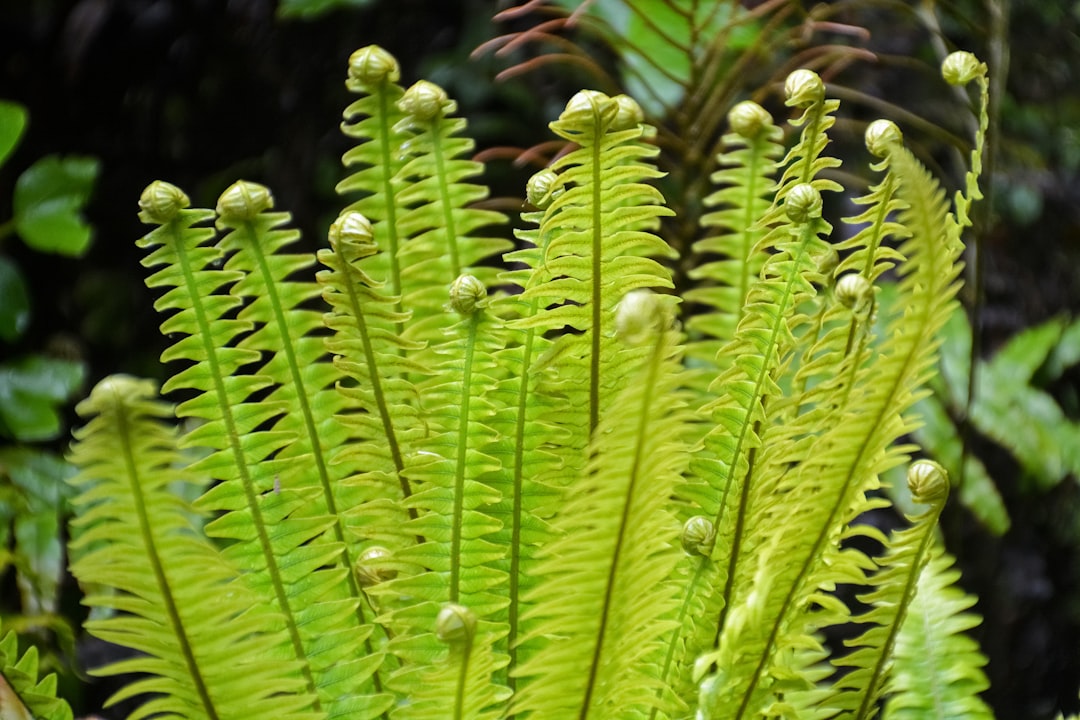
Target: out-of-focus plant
[1011, 407]
[35, 384]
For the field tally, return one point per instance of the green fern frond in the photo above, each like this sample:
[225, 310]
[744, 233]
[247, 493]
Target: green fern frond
[24, 696]
[804, 163]
[960, 68]
[231, 422]
[603, 602]
[894, 587]
[937, 669]
[311, 464]
[747, 184]
[599, 246]
[382, 412]
[533, 436]
[374, 73]
[457, 562]
[850, 454]
[439, 222]
[209, 646]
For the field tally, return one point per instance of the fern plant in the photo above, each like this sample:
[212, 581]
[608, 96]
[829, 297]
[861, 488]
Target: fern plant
[450, 491]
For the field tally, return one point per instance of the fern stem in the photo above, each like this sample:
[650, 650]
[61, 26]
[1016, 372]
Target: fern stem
[444, 199]
[738, 535]
[518, 501]
[597, 244]
[655, 361]
[389, 432]
[462, 679]
[210, 351]
[171, 608]
[384, 136]
[461, 465]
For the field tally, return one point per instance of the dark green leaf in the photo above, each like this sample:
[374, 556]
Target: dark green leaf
[12, 124]
[310, 9]
[30, 391]
[14, 301]
[48, 199]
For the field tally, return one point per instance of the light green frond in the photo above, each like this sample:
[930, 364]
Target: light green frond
[457, 562]
[309, 465]
[382, 405]
[603, 603]
[732, 259]
[804, 162]
[534, 439]
[960, 68]
[440, 222]
[207, 644]
[379, 155]
[937, 669]
[894, 588]
[23, 695]
[597, 243]
[258, 512]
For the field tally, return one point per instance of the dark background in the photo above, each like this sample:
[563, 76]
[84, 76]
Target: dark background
[202, 92]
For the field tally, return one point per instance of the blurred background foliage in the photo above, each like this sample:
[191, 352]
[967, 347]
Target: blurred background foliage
[103, 96]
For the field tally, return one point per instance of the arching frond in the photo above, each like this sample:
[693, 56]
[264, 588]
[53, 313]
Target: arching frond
[207, 644]
[937, 669]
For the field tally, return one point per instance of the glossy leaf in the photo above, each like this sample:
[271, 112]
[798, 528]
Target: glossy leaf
[48, 203]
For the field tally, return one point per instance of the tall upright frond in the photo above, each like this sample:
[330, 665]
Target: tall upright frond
[439, 222]
[600, 247]
[207, 645]
[291, 353]
[380, 156]
[603, 602]
[382, 411]
[732, 258]
[894, 590]
[457, 562]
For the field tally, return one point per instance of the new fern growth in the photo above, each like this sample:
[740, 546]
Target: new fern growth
[434, 487]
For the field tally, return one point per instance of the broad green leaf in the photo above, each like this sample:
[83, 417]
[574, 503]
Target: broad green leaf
[30, 391]
[49, 196]
[12, 124]
[14, 301]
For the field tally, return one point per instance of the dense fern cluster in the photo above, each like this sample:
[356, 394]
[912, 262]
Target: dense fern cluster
[460, 491]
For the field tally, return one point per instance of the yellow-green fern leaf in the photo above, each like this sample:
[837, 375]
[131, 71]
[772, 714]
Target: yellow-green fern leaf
[603, 603]
[382, 410]
[937, 669]
[440, 223]
[747, 185]
[894, 590]
[207, 645]
[292, 354]
[458, 684]
[260, 513]
[598, 247]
